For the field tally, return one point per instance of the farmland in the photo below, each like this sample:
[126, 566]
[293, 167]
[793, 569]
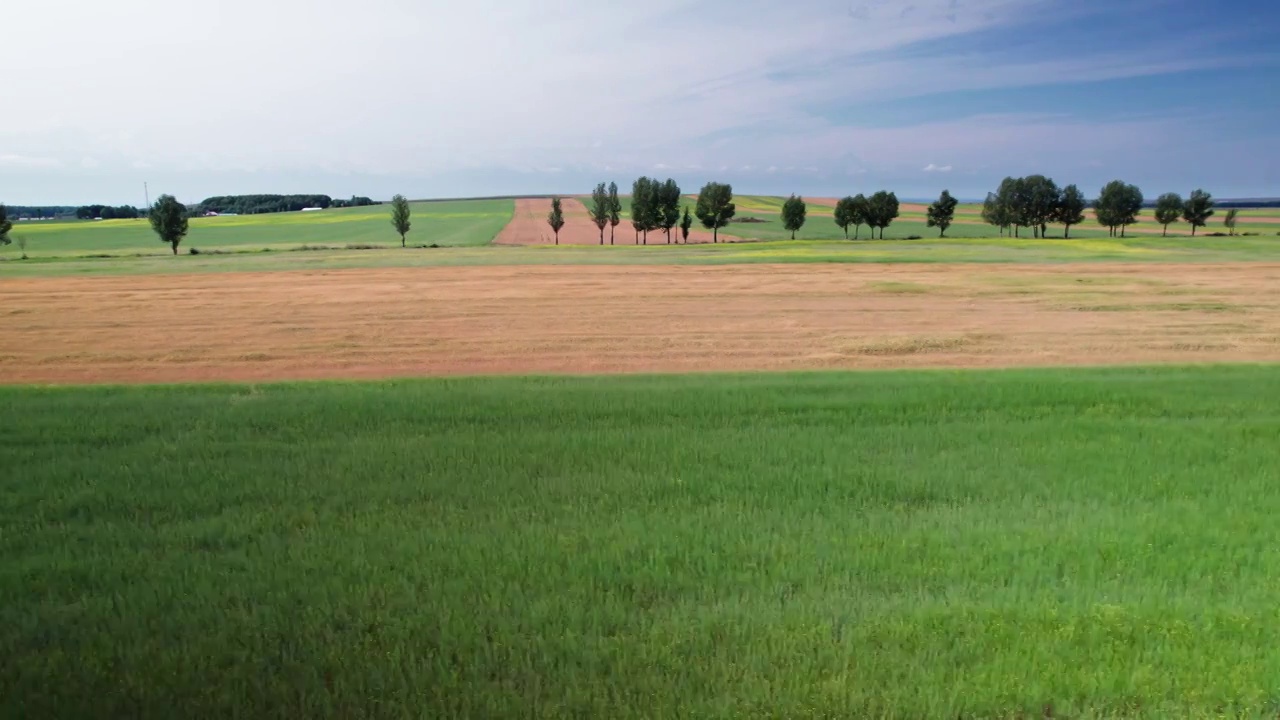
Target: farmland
[1089, 543]
[498, 478]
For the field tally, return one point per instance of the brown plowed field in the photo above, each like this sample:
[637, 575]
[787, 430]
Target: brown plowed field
[586, 319]
[529, 226]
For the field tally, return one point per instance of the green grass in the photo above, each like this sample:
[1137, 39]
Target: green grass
[448, 224]
[913, 545]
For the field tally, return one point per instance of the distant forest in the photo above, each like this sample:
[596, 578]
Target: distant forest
[258, 204]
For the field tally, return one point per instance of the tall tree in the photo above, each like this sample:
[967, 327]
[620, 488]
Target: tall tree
[882, 210]
[844, 214]
[1197, 210]
[793, 214]
[1230, 220]
[715, 207]
[615, 210]
[642, 207]
[169, 220]
[5, 225]
[1010, 202]
[991, 212]
[686, 222]
[601, 208]
[1168, 210]
[943, 212]
[400, 216]
[1071, 207]
[1119, 205]
[555, 218]
[1040, 198]
[668, 207]
[860, 214]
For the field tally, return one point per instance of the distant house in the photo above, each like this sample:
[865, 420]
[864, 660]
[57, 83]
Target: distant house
[311, 209]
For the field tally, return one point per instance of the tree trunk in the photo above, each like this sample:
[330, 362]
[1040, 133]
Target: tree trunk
[601, 234]
[942, 232]
[175, 247]
[402, 241]
[715, 235]
[857, 230]
[557, 237]
[1044, 228]
[1123, 228]
[846, 232]
[611, 229]
[793, 234]
[1066, 231]
[1166, 230]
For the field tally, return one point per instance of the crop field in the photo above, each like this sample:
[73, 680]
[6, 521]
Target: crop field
[1088, 543]
[445, 223]
[764, 478]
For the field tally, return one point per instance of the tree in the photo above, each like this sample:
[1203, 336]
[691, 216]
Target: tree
[882, 209]
[1197, 210]
[793, 212]
[859, 213]
[601, 208]
[22, 245]
[844, 214]
[169, 220]
[643, 207]
[615, 210]
[1230, 220]
[1118, 205]
[1069, 209]
[715, 207]
[1010, 202]
[1039, 199]
[400, 216]
[556, 218]
[686, 222]
[5, 225]
[667, 210]
[943, 212]
[1168, 210]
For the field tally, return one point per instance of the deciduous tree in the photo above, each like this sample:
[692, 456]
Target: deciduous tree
[169, 220]
[686, 222]
[844, 214]
[615, 210]
[1071, 207]
[860, 214]
[601, 208]
[793, 214]
[556, 218]
[5, 225]
[668, 207]
[1230, 220]
[715, 207]
[1168, 210]
[882, 210]
[1118, 205]
[942, 212]
[1040, 201]
[1197, 210]
[400, 217]
[643, 207]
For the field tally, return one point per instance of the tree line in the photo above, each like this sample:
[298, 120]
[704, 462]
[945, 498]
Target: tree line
[1036, 202]
[107, 212]
[260, 204]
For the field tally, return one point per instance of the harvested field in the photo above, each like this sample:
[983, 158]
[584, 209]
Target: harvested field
[528, 226]
[587, 319]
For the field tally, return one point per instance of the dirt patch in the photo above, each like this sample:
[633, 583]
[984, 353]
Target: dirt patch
[529, 226]
[588, 319]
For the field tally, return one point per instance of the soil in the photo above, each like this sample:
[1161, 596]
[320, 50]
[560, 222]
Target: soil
[529, 226]
[366, 323]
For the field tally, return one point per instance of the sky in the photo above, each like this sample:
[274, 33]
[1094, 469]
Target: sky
[448, 98]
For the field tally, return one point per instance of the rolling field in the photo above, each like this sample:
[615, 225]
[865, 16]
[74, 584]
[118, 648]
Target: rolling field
[445, 223]
[1082, 544]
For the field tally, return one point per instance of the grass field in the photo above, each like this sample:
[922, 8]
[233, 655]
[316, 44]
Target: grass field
[1089, 543]
[446, 223]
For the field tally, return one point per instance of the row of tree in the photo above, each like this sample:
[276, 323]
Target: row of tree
[258, 204]
[1036, 202]
[107, 212]
[877, 211]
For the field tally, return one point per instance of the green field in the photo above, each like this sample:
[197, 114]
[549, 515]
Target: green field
[1090, 543]
[445, 223]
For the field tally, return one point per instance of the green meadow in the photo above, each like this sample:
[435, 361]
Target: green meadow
[445, 223]
[1084, 544]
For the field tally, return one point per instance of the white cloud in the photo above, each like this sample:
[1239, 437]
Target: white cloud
[932, 168]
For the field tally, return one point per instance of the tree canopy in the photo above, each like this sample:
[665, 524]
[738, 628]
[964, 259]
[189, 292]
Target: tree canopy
[859, 213]
[1118, 205]
[400, 217]
[5, 225]
[843, 214]
[882, 210]
[1071, 206]
[169, 219]
[615, 210]
[555, 218]
[793, 214]
[1230, 220]
[686, 223]
[942, 212]
[667, 206]
[1168, 210]
[601, 208]
[1197, 210]
[715, 207]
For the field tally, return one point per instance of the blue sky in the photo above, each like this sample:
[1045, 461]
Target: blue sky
[445, 99]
